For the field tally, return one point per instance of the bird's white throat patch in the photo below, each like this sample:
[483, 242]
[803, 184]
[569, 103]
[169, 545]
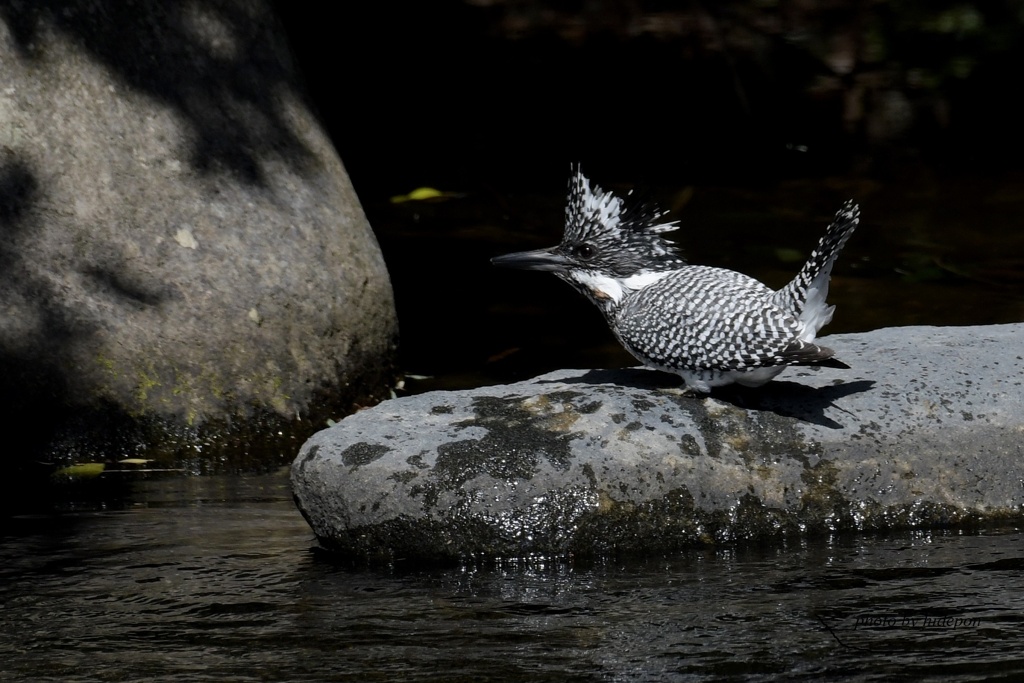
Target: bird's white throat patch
[608, 288]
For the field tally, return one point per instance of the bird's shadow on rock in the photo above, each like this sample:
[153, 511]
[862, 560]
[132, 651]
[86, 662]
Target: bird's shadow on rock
[794, 400]
[787, 399]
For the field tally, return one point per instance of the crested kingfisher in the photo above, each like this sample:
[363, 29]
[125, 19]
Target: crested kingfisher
[711, 326]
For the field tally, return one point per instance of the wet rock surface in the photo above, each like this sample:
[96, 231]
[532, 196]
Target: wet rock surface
[924, 430]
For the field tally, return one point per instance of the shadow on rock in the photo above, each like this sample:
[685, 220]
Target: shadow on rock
[219, 65]
[788, 399]
[792, 399]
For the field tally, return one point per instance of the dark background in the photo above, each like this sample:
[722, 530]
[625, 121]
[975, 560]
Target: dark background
[716, 92]
[751, 121]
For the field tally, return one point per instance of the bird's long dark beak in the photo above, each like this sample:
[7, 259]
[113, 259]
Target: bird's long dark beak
[540, 259]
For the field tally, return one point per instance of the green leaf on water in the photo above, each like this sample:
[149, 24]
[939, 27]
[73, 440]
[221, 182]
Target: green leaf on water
[82, 470]
[425, 194]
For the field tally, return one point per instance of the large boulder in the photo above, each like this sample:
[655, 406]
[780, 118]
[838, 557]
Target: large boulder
[181, 244]
[924, 430]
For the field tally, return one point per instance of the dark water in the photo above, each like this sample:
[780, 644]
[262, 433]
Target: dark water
[216, 579]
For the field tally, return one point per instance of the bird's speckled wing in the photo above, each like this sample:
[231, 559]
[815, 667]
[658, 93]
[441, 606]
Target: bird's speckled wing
[710, 318]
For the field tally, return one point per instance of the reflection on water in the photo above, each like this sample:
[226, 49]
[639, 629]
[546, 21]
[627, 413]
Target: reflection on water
[215, 579]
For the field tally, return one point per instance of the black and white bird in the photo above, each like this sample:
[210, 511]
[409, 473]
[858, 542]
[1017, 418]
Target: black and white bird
[711, 326]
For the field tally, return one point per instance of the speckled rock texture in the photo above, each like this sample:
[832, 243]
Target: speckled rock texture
[180, 240]
[924, 430]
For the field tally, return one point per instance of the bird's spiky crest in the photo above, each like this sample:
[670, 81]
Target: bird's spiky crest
[615, 225]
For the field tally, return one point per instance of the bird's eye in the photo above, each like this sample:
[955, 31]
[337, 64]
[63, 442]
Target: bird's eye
[585, 251]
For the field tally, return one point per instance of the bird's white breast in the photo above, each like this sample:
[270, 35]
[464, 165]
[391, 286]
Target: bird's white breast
[613, 289]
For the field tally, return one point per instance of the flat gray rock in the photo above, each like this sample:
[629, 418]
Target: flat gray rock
[181, 244]
[924, 430]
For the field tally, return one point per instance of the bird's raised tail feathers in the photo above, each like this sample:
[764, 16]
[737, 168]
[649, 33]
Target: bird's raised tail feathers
[805, 295]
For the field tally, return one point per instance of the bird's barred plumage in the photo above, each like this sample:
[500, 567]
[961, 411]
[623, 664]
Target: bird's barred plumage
[711, 326]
